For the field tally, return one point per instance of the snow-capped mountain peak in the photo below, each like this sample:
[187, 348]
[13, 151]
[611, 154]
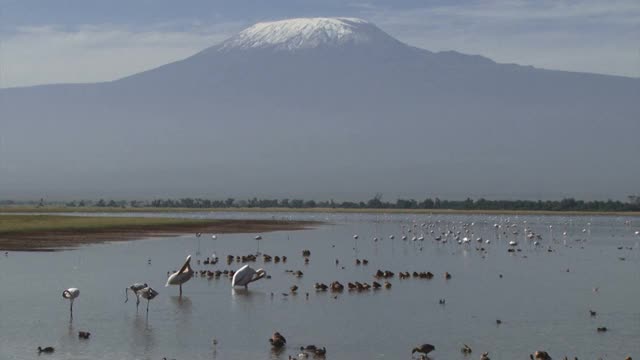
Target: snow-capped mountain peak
[305, 33]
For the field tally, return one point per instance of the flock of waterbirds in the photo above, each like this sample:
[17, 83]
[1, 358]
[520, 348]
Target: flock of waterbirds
[462, 234]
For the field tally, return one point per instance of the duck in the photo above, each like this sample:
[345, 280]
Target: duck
[540, 355]
[48, 349]
[321, 287]
[336, 286]
[84, 334]
[423, 349]
[277, 340]
[466, 349]
[485, 356]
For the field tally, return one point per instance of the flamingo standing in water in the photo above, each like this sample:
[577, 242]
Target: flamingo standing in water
[135, 288]
[71, 294]
[246, 275]
[181, 276]
[147, 293]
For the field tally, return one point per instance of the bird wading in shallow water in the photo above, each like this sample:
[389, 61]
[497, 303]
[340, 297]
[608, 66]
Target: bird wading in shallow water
[71, 294]
[423, 349]
[182, 276]
[246, 275]
[134, 288]
[149, 294]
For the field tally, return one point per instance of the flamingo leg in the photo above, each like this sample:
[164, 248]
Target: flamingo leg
[180, 290]
[137, 301]
[147, 306]
[71, 309]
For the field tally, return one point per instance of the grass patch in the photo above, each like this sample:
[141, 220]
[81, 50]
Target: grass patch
[17, 224]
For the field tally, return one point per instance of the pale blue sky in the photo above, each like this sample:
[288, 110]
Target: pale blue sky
[44, 41]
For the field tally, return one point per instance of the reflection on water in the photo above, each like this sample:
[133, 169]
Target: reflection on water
[540, 303]
[142, 336]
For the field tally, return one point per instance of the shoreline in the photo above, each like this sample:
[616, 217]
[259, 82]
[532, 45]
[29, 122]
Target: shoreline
[57, 233]
[63, 209]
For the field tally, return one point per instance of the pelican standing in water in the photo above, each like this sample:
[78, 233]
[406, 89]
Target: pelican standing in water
[181, 276]
[71, 294]
[135, 289]
[246, 275]
[148, 293]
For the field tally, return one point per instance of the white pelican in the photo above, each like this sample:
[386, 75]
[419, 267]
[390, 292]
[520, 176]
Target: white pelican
[148, 293]
[71, 294]
[246, 275]
[135, 289]
[181, 276]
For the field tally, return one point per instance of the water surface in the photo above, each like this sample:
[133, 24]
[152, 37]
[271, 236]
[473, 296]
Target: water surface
[542, 299]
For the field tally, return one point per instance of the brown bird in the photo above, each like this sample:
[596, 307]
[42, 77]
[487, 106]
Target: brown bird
[277, 340]
[540, 355]
[48, 349]
[423, 349]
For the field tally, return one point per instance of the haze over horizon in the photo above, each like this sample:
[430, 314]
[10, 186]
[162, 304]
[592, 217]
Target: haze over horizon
[324, 108]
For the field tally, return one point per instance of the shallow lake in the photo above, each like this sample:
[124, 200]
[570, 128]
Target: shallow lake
[543, 298]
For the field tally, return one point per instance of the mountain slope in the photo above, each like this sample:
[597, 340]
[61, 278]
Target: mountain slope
[325, 107]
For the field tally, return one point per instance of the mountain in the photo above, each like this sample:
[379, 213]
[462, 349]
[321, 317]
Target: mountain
[325, 108]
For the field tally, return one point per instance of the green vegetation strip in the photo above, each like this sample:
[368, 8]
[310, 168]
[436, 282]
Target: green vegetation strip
[21, 224]
[93, 209]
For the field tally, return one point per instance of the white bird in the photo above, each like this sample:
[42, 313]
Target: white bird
[181, 276]
[246, 275]
[148, 293]
[355, 236]
[513, 243]
[258, 237]
[214, 237]
[135, 289]
[71, 294]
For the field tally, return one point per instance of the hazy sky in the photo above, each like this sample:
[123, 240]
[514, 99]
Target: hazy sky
[44, 41]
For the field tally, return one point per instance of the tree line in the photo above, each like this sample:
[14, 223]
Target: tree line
[567, 204]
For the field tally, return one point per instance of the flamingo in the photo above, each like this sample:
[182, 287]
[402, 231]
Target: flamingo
[71, 294]
[246, 275]
[148, 293]
[135, 288]
[181, 276]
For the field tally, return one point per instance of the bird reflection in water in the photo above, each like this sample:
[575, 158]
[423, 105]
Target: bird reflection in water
[142, 336]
